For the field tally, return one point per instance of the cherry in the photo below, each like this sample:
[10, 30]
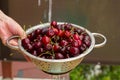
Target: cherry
[37, 31]
[63, 50]
[87, 40]
[50, 33]
[25, 41]
[69, 40]
[68, 26]
[56, 47]
[79, 42]
[63, 43]
[44, 30]
[28, 47]
[54, 24]
[59, 56]
[67, 34]
[48, 47]
[39, 37]
[83, 47]
[50, 57]
[81, 37]
[31, 36]
[40, 50]
[37, 45]
[55, 31]
[75, 43]
[78, 30]
[60, 33]
[76, 37]
[45, 40]
[74, 51]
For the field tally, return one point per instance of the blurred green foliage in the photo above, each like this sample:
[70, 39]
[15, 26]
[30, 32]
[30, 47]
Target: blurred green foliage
[89, 72]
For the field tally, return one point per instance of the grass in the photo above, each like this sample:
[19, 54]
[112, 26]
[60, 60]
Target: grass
[95, 72]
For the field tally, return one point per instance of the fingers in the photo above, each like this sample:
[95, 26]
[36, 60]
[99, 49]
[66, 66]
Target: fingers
[18, 29]
[4, 33]
[9, 27]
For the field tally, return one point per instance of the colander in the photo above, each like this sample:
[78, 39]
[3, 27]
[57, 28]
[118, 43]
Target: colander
[56, 66]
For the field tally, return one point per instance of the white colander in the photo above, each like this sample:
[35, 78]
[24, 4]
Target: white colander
[56, 66]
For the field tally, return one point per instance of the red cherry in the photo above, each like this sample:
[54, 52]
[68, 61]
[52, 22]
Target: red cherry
[60, 33]
[79, 42]
[55, 31]
[45, 40]
[37, 31]
[50, 33]
[54, 24]
[25, 41]
[37, 45]
[48, 47]
[67, 33]
[63, 43]
[56, 47]
[28, 47]
[59, 56]
[39, 37]
[75, 43]
[40, 50]
[76, 37]
[74, 51]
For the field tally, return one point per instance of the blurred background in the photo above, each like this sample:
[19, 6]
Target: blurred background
[100, 16]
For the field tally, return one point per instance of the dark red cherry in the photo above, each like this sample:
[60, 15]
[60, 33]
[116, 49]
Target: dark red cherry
[87, 41]
[50, 57]
[59, 56]
[54, 24]
[56, 47]
[40, 50]
[37, 31]
[48, 47]
[63, 50]
[39, 37]
[50, 33]
[75, 43]
[28, 47]
[83, 47]
[32, 36]
[25, 41]
[68, 26]
[63, 43]
[37, 45]
[44, 30]
[74, 51]
[78, 30]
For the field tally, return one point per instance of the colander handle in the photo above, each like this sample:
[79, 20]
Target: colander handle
[101, 36]
[15, 47]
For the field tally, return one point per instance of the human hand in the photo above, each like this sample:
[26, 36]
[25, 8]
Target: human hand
[9, 27]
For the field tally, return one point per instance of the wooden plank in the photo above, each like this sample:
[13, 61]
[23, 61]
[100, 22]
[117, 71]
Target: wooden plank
[7, 69]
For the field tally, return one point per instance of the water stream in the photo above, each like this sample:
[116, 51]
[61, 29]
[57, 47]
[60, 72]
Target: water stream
[49, 9]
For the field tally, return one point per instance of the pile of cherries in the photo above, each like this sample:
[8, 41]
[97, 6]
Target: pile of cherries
[58, 41]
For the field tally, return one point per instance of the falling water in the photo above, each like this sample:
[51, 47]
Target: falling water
[50, 11]
[39, 2]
